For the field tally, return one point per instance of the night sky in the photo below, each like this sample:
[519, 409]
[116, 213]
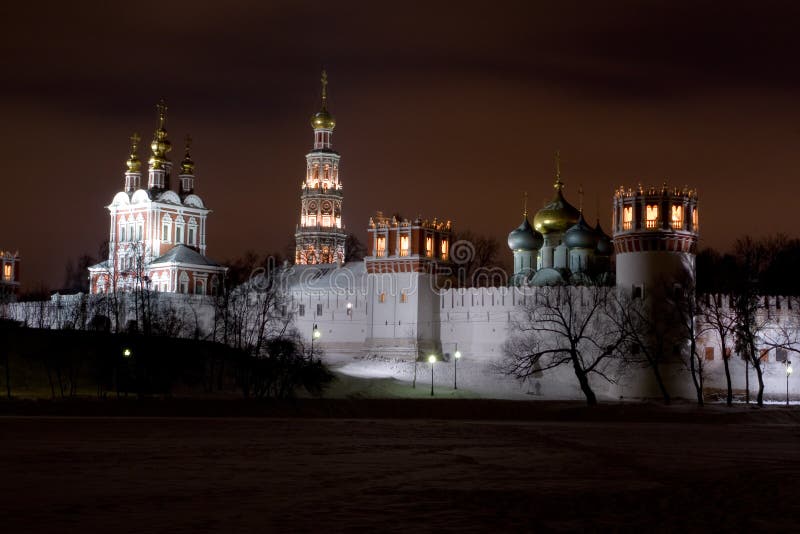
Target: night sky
[451, 111]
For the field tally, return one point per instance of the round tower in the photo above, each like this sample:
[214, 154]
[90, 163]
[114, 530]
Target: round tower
[655, 238]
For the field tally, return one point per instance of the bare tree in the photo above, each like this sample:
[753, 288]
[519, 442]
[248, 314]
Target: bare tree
[650, 335]
[720, 319]
[686, 309]
[566, 325]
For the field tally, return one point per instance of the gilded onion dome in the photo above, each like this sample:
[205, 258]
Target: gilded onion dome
[187, 164]
[557, 215]
[581, 235]
[160, 145]
[605, 246]
[133, 163]
[323, 119]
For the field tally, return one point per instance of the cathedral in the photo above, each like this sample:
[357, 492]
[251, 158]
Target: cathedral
[157, 236]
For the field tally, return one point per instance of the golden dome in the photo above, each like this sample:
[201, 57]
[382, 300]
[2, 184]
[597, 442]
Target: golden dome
[322, 119]
[160, 145]
[187, 165]
[133, 163]
[557, 215]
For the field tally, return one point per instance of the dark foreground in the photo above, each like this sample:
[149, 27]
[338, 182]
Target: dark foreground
[714, 470]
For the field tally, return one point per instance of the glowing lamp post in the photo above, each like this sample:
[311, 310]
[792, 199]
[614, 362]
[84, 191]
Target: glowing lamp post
[315, 334]
[788, 374]
[457, 357]
[431, 360]
[126, 353]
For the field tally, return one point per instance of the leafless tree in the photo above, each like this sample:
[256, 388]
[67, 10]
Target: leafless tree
[686, 308]
[566, 325]
[719, 318]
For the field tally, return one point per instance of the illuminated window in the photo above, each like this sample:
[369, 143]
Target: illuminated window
[382, 298]
[326, 220]
[338, 222]
[429, 246]
[709, 353]
[651, 221]
[8, 271]
[404, 245]
[311, 220]
[694, 218]
[444, 249]
[380, 247]
[403, 297]
[627, 217]
[677, 217]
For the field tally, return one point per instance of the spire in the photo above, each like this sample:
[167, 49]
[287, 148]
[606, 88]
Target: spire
[133, 163]
[187, 165]
[580, 198]
[525, 205]
[559, 185]
[160, 144]
[322, 120]
[324, 81]
[133, 174]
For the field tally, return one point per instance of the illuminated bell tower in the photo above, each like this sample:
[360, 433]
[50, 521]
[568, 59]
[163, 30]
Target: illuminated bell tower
[320, 236]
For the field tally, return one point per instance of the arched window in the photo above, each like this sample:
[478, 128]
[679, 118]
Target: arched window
[191, 234]
[166, 228]
[380, 246]
[184, 283]
[677, 217]
[627, 217]
[179, 226]
[429, 246]
[651, 219]
[199, 287]
[694, 219]
[445, 249]
[404, 239]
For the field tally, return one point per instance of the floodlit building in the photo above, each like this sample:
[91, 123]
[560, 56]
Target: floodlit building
[9, 275]
[157, 235]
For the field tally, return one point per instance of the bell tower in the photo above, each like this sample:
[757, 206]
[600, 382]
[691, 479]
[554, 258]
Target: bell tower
[320, 236]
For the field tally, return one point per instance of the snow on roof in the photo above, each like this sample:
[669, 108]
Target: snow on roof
[184, 254]
[350, 276]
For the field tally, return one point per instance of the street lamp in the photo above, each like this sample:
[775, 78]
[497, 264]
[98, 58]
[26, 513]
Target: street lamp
[126, 353]
[788, 373]
[431, 360]
[315, 334]
[457, 357]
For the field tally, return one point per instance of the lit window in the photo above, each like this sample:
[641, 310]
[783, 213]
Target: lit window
[444, 249]
[380, 247]
[627, 217]
[8, 271]
[677, 217]
[326, 220]
[652, 216]
[404, 245]
[382, 298]
[709, 353]
[403, 298]
[429, 246]
[311, 220]
[338, 222]
[694, 218]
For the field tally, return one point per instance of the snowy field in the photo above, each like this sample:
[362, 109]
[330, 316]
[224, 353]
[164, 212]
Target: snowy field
[635, 468]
